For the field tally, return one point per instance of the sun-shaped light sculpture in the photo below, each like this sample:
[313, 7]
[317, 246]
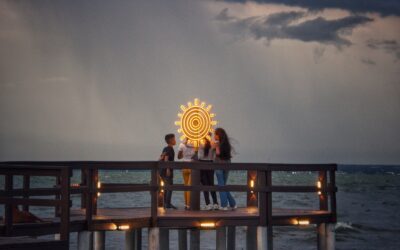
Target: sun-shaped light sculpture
[196, 122]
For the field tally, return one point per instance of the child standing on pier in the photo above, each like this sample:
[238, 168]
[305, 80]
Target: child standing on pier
[167, 175]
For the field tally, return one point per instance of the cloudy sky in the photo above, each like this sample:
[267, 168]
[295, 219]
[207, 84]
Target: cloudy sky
[290, 80]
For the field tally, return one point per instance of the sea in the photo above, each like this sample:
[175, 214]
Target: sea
[368, 206]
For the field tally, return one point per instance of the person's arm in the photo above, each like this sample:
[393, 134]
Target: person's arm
[162, 156]
[180, 154]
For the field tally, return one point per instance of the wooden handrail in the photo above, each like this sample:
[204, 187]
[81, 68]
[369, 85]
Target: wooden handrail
[259, 195]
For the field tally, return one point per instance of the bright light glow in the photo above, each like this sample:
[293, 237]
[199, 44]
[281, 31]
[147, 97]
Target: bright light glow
[98, 194]
[207, 224]
[252, 183]
[99, 184]
[162, 185]
[318, 184]
[123, 227]
[252, 186]
[301, 222]
[75, 185]
[195, 122]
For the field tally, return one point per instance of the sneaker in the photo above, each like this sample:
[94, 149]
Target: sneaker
[234, 207]
[170, 206]
[216, 207]
[187, 207]
[208, 207]
[223, 208]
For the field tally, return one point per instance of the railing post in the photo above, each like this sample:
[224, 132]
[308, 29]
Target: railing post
[195, 205]
[154, 194]
[65, 203]
[8, 213]
[84, 175]
[195, 195]
[332, 184]
[323, 202]
[269, 210]
[94, 183]
[57, 208]
[25, 188]
[262, 198]
[89, 197]
[252, 200]
[265, 209]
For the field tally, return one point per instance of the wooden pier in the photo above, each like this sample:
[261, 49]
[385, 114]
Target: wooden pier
[91, 222]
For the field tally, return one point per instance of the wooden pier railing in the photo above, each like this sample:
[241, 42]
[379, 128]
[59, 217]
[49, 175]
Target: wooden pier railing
[258, 212]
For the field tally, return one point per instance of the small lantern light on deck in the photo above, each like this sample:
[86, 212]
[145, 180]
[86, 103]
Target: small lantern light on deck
[302, 222]
[207, 225]
[162, 185]
[98, 187]
[251, 184]
[123, 227]
[319, 185]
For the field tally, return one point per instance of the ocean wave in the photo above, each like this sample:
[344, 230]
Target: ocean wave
[342, 227]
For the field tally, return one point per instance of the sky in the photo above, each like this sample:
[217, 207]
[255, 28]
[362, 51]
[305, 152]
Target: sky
[291, 81]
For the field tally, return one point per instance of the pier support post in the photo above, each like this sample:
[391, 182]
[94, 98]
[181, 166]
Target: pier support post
[194, 239]
[326, 236]
[99, 240]
[164, 239]
[85, 240]
[251, 238]
[321, 236]
[221, 238]
[133, 239]
[264, 238]
[330, 236]
[154, 238]
[231, 243]
[182, 238]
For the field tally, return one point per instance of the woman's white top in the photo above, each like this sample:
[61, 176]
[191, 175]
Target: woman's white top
[188, 151]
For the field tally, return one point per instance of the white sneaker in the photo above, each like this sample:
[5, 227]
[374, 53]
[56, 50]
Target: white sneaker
[234, 208]
[216, 207]
[208, 207]
[224, 208]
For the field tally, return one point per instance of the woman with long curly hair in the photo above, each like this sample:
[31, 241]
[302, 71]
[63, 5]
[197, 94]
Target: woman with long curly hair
[223, 153]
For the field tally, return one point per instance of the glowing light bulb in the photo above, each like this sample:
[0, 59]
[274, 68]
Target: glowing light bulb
[207, 224]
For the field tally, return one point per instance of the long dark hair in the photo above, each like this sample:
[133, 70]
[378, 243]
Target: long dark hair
[224, 144]
[207, 147]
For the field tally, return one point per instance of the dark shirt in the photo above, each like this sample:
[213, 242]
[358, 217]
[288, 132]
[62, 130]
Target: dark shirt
[168, 151]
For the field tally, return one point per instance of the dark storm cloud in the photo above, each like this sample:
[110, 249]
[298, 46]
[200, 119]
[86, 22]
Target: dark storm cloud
[281, 26]
[383, 7]
[389, 46]
[368, 61]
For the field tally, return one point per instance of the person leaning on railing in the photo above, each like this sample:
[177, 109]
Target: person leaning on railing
[223, 153]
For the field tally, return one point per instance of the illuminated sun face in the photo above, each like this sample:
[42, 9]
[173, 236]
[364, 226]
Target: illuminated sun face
[196, 122]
